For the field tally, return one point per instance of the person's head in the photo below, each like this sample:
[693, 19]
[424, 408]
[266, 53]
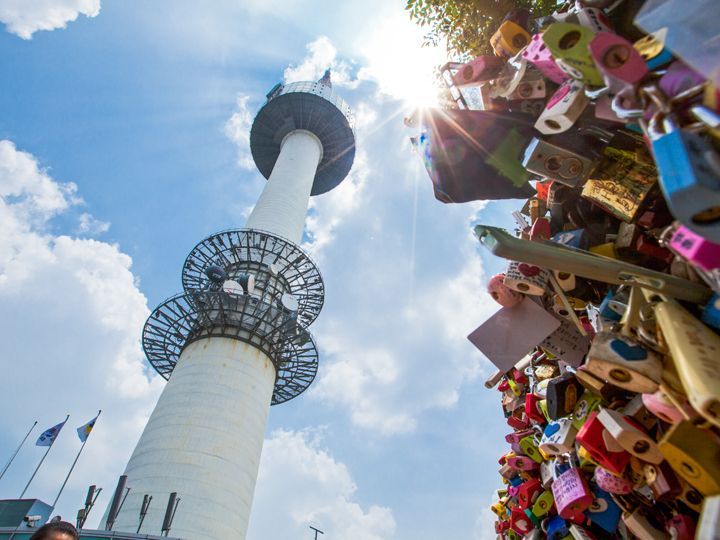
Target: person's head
[56, 530]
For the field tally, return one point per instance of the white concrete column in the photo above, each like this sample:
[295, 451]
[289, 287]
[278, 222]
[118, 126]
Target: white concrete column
[203, 440]
[283, 203]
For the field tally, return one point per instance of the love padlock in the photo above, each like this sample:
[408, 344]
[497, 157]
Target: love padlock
[695, 455]
[558, 437]
[689, 177]
[604, 511]
[592, 436]
[556, 162]
[501, 293]
[540, 56]
[612, 483]
[563, 109]
[478, 70]
[699, 251]
[571, 493]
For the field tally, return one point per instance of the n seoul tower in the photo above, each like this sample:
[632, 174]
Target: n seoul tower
[236, 341]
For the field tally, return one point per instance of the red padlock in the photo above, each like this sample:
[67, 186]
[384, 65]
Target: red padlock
[591, 438]
[532, 409]
[528, 492]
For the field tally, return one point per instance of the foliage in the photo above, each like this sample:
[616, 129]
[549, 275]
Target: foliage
[467, 25]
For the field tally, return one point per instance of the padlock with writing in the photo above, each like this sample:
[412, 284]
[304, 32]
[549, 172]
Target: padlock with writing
[586, 404]
[563, 108]
[689, 172]
[695, 455]
[612, 483]
[558, 437]
[526, 278]
[701, 252]
[571, 493]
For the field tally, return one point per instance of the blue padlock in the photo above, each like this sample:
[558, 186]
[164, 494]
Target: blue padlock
[711, 312]
[612, 307]
[604, 511]
[689, 170]
[556, 528]
[577, 239]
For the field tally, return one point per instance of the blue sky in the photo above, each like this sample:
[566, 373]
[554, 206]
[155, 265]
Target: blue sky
[123, 142]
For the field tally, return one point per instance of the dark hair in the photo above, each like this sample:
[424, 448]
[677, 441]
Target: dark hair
[43, 533]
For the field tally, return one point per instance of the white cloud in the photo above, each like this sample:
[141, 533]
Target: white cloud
[301, 484]
[71, 318]
[237, 129]
[25, 17]
[88, 225]
[322, 55]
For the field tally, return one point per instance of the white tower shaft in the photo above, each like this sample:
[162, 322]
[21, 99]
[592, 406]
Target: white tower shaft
[204, 441]
[209, 454]
[283, 204]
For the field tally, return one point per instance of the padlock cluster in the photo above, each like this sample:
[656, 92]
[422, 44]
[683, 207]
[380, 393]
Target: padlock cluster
[606, 342]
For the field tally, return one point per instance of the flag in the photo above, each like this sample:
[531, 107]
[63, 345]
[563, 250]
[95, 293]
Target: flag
[84, 430]
[49, 435]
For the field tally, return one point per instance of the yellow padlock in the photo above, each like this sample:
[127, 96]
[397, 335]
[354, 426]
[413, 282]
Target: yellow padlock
[509, 39]
[695, 350]
[695, 455]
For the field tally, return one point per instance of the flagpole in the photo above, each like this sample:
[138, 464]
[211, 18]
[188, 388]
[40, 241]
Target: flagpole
[39, 464]
[7, 466]
[73, 464]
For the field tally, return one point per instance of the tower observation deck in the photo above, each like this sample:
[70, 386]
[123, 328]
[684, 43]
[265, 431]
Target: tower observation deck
[236, 340]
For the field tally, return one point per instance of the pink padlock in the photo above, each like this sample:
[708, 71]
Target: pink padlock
[696, 249]
[479, 70]
[571, 493]
[618, 61]
[661, 406]
[522, 463]
[501, 293]
[540, 56]
[619, 485]
[516, 436]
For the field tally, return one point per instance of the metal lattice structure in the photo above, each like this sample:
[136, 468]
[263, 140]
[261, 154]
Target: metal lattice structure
[274, 330]
[279, 267]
